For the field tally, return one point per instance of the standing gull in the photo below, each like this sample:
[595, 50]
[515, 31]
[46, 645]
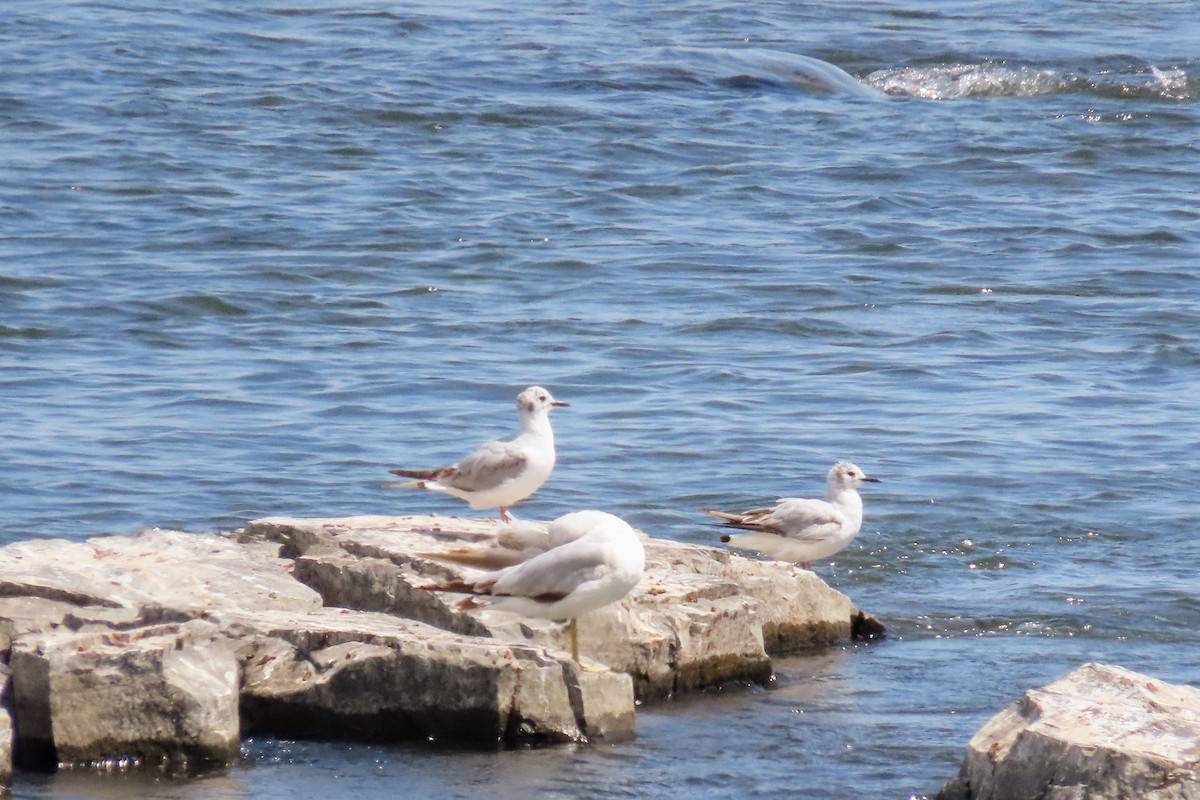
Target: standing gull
[594, 559]
[502, 472]
[803, 530]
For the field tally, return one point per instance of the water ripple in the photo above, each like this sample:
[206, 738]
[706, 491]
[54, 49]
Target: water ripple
[253, 257]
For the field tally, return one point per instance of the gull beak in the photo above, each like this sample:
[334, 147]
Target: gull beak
[559, 403]
[871, 480]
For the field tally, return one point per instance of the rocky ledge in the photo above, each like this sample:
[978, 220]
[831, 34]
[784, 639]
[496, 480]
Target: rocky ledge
[162, 649]
[1100, 733]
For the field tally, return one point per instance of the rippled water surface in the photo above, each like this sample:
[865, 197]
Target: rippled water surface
[254, 254]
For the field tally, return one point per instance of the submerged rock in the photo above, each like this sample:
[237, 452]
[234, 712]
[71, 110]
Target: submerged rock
[159, 650]
[1100, 733]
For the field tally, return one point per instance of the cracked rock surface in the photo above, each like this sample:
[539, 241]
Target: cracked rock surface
[160, 650]
[1100, 733]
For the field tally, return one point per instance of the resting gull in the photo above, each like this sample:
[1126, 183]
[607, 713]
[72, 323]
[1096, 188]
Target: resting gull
[593, 560]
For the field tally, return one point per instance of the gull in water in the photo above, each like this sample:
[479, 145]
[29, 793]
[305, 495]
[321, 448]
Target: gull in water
[502, 472]
[593, 560]
[803, 530]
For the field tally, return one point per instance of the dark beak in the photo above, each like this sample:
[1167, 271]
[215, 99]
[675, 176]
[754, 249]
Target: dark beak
[871, 480]
[559, 403]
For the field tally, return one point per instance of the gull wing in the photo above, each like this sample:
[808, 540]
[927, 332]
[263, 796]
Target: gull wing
[514, 544]
[755, 520]
[555, 573]
[488, 467]
[805, 520]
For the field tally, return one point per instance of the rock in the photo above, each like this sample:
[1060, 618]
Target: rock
[344, 673]
[68, 608]
[162, 696]
[98, 679]
[156, 649]
[864, 627]
[1101, 732]
[702, 616]
[153, 576]
[6, 730]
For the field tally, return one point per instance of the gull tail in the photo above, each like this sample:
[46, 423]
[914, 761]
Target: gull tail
[423, 474]
[471, 591]
[724, 516]
[460, 587]
[512, 545]
[404, 485]
[423, 477]
[484, 558]
[741, 521]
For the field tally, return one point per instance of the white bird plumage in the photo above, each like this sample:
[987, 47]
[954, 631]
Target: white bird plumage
[503, 472]
[593, 560]
[803, 530]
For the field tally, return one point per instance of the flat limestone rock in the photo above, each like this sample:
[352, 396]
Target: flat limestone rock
[104, 597]
[345, 673]
[162, 696]
[84, 626]
[1100, 733]
[6, 729]
[701, 617]
[157, 649]
[157, 574]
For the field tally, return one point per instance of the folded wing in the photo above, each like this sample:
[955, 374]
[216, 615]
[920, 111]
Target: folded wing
[555, 573]
[805, 520]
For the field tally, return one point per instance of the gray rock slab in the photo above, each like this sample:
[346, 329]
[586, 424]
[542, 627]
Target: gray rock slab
[347, 673]
[302, 666]
[702, 616]
[116, 642]
[158, 574]
[1100, 733]
[6, 730]
[163, 696]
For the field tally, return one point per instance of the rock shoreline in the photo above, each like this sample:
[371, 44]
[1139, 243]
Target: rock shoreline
[161, 650]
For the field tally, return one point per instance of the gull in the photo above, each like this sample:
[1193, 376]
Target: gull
[593, 560]
[803, 530]
[502, 472]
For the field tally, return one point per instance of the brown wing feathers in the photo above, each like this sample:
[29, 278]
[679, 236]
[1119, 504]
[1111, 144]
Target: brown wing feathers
[461, 587]
[749, 521]
[419, 474]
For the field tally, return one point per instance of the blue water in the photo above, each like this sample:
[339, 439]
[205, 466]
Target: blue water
[254, 254]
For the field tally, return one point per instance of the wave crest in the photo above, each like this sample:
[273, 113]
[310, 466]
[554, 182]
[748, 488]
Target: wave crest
[999, 79]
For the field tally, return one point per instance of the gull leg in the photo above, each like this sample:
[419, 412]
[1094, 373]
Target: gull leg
[573, 627]
[504, 514]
